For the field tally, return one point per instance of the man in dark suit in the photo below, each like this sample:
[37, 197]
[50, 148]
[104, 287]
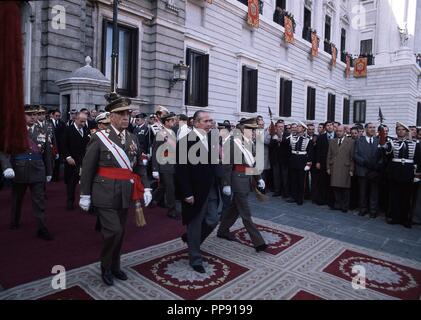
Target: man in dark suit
[110, 180]
[198, 185]
[75, 140]
[32, 169]
[59, 127]
[369, 162]
[325, 194]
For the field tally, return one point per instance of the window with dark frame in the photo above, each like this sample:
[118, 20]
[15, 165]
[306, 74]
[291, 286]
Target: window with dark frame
[331, 103]
[311, 103]
[346, 111]
[366, 47]
[419, 114]
[197, 84]
[127, 57]
[285, 97]
[343, 45]
[307, 24]
[359, 111]
[328, 27]
[249, 90]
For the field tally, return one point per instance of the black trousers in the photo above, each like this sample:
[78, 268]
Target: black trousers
[314, 173]
[38, 201]
[297, 184]
[341, 198]
[325, 192]
[113, 227]
[353, 203]
[280, 179]
[56, 169]
[401, 194]
[369, 194]
[71, 176]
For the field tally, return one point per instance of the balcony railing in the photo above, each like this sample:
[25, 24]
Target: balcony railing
[370, 58]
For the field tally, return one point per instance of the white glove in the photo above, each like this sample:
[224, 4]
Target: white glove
[49, 178]
[57, 156]
[9, 173]
[85, 202]
[226, 190]
[155, 174]
[307, 168]
[261, 184]
[147, 196]
[145, 162]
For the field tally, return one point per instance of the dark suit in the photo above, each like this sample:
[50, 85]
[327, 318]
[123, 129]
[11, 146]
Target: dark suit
[59, 127]
[279, 155]
[325, 194]
[110, 198]
[31, 169]
[200, 181]
[73, 145]
[368, 165]
[144, 137]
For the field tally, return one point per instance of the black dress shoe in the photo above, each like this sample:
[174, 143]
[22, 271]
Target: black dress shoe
[290, 200]
[184, 237]
[44, 234]
[392, 221]
[70, 207]
[262, 247]
[276, 194]
[344, 210]
[173, 214]
[107, 277]
[199, 269]
[362, 213]
[229, 236]
[120, 275]
[407, 225]
[373, 215]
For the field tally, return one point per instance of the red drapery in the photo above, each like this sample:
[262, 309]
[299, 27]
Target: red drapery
[13, 133]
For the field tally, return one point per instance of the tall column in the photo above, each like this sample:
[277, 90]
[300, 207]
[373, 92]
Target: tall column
[383, 32]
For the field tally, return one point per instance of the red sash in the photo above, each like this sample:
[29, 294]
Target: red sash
[124, 174]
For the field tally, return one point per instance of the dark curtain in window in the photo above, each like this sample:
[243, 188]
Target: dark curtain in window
[311, 103]
[331, 107]
[346, 112]
[197, 84]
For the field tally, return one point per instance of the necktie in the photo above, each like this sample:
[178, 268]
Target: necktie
[340, 142]
[81, 132]
[371, 141]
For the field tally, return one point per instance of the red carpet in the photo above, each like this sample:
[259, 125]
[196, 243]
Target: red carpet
[25, 258]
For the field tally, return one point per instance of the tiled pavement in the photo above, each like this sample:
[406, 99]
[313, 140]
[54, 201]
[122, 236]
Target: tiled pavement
[347, 227]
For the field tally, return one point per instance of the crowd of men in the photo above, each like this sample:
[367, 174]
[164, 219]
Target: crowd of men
[116, 156]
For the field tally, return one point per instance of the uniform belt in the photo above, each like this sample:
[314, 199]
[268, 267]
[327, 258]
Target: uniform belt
[124, 174]
[299, 152]
[240, 168]
[403, 161]
[34, 156]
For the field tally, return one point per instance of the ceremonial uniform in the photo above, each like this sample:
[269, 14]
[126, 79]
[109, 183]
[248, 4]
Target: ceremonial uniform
[301, 150]
[163, 162]
[241, 183]
[110, 180]
[401, 171]
[31, 169]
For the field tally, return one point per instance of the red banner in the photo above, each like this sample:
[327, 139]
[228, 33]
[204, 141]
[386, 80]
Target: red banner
[314, 44]
[289, 30]
[253, 13]
[360, 68]
[334, 53]
[348, 66]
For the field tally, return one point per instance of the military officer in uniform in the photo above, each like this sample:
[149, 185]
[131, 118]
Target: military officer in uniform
[6, 168]
[300, 161]
[240, 182]
[103, 121]
[110, 180]
[163, 161]
[32, 169]
[406, 160]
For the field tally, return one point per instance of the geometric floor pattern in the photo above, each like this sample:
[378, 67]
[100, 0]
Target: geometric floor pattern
[298, 265]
